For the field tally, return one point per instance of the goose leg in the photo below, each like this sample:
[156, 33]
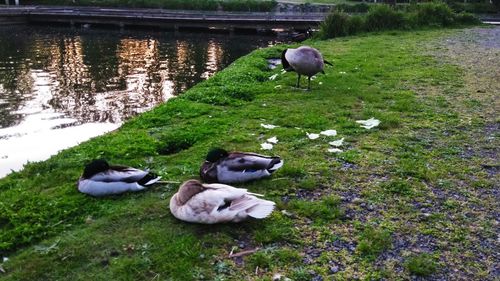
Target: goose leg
[298, 80]
[309, 83]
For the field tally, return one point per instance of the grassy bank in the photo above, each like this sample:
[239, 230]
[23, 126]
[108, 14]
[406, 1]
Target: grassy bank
[414, 196]
[384, 17]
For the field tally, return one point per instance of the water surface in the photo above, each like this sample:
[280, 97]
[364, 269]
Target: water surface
[61, 86]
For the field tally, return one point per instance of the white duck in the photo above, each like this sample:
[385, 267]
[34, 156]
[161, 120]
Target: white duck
[304, 60]
[101, 179]
[217, 203]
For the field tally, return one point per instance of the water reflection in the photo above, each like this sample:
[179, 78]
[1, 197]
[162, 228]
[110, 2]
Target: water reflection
[59, 87]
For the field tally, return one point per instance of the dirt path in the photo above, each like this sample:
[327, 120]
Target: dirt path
[477, 52]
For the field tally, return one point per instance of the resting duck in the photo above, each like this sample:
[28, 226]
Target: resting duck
[234, 167]
[304, 60]
[100, 179]
[217, 203]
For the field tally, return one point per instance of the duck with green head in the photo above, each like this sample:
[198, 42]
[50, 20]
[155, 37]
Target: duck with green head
[101, 179]
[236, 167]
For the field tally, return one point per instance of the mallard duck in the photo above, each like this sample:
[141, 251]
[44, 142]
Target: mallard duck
[234, 167]
[217, 203]
[304, 60]
[100, 179]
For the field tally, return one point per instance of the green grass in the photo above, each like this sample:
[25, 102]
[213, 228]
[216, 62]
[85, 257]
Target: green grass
[421, 265]
[382, 17]
[326, 211]
[407, 177]
[372, 242]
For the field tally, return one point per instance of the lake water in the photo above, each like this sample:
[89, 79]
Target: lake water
[61, 86]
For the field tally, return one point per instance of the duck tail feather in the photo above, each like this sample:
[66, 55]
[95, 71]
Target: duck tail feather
[149, 179]
[276, 166]
[255, 194]
[263, 209]
[155, 180]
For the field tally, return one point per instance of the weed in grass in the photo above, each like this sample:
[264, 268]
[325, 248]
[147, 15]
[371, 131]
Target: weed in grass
[309, 183]
[222, 267]
[421, 265]
[261, 259]
[325, 211]
[287, 256]
[300, 274]
[276, 228]
[373, 241]
[352, 156]
[292, 171]
[398, 186]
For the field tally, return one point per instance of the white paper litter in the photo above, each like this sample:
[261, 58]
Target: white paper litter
[268, 126]
[273, 140]
[312, 136]
[337, 142]
[266, 146]
[342, 72]
[368, 124]
[334, 150]
[5, 259]
[277, 87]
[272, 77]
[329, 133]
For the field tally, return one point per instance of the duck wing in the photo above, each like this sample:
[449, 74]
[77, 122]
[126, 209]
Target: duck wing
[239, 199]
[253, 206]
[236, 204]
[126, 175]
[224, 191]
[250, 162]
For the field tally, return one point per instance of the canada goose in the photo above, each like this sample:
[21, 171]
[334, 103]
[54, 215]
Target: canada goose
[217, 203]
[304, 60]
[233, 167]
[100, 179]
